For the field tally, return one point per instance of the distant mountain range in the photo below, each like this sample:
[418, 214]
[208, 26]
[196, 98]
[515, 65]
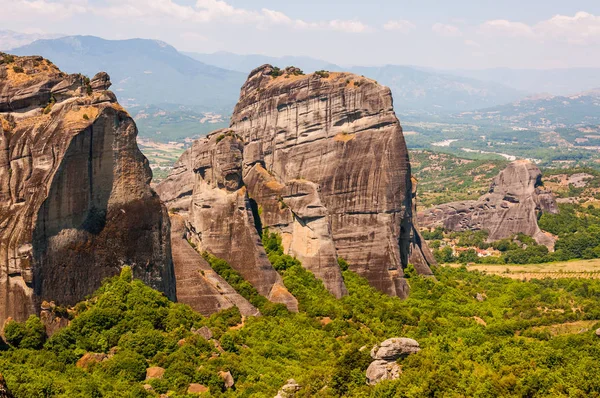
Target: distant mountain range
[179, 88]
[10, 39]
[544, 111]
[245, 63]
[144, 72]
[555, 81]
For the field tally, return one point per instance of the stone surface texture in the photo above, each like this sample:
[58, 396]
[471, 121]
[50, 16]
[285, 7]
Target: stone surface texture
[319, 159]
[75, 197]
[385, 355]
[512, 205]
[198, 285]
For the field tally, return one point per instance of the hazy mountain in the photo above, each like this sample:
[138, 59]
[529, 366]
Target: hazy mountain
[414, 88]
[545, 111]
[10, 39]
[555, 81]
[143, 71]
[245, 63]
[419, 89]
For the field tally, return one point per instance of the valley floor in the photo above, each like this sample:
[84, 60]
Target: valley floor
[589, 269]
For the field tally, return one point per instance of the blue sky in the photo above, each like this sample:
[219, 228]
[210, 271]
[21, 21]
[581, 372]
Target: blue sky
[433, 33]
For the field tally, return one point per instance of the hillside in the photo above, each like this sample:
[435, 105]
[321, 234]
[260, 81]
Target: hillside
[446, 178]
[562, 81]
[128, 340]
[545, 111]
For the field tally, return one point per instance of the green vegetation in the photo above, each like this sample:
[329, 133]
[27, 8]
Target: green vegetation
[322, 73]
[51, 103]
[7, 59]
[18, 69]
[276, 72]
[577, 228]
[503, 346]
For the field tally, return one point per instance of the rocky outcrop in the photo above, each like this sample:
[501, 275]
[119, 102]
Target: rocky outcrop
[198, 285]
[219, 213]
[289, 389]
[75, 199]
[385, 355]
[321, 160]
[512, 205]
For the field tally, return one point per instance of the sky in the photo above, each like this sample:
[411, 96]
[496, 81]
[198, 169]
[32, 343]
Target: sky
[441, 34]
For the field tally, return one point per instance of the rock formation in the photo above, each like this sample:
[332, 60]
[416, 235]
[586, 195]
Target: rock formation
[512, 205]
[289, 389]
[198, 285]
[321, 160]
[75, 199]
[385, 355]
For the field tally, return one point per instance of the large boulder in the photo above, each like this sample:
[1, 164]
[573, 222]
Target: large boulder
[289, 389]
[394, 348]
[75, 197]
[319, 159]
[380, 370]
[512, 205]
[385, 355]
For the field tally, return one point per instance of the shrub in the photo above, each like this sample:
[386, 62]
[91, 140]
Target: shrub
[18, 69]
[30, 334]
[324, 74]
[126, 365]
[86, 117]
[276, 72]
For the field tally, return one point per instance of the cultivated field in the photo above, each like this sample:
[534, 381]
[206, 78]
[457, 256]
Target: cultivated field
[589, 269]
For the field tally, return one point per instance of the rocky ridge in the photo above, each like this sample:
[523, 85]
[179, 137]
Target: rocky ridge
[319, 159]
[511, 206]
[75, 199]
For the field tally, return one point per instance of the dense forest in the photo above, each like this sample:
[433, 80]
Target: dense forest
[480, 336]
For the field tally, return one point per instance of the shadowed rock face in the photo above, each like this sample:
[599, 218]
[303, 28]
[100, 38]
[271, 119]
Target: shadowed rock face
[512, 205]
[320, 160]
[75, 199]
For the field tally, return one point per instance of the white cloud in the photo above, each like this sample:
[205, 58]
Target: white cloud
[579, 29]
[582, 28]
[352, 26]
[446, 30]
[57, 9]
[401, 25]
[507, 28]
[202, 12]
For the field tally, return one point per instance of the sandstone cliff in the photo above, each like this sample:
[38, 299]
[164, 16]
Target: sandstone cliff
[320, 159]
[75, 199]
[512, 205]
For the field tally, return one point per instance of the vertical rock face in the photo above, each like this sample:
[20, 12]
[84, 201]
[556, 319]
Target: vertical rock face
[198, 285]
[75, 199]
[320, 159]
[512, 205]
[221, 219]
